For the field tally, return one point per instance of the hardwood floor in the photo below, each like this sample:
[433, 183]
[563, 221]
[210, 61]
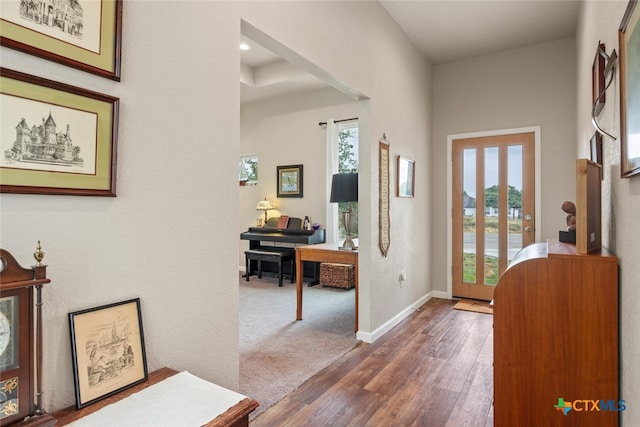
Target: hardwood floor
[433, 369]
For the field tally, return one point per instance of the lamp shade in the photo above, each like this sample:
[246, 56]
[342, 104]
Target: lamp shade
[265, 205]
[344, 188]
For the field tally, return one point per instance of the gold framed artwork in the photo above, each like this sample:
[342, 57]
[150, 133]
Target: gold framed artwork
[406, 180]
[290, 181]
[56, 138]
[84, 34]
[383, 201]
[107, 346]
[629, 45]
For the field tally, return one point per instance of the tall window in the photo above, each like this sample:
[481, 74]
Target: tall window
[348, 162]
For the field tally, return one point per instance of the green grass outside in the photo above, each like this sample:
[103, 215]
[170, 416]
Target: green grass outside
[491, 271]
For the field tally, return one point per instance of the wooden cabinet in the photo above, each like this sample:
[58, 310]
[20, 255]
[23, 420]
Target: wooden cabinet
[556, 339]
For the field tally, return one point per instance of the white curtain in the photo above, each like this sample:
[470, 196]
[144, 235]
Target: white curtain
[332, 224]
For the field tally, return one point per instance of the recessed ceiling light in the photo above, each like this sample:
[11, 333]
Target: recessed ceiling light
[244, 46]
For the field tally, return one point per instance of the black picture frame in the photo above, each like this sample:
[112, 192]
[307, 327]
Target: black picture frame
[108, 351]
[290, 181]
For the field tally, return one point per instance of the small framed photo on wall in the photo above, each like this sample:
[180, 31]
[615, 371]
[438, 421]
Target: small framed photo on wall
[405, 181]
[290, 181]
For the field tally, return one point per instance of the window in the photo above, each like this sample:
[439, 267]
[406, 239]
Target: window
[347, 163]
[248, 171]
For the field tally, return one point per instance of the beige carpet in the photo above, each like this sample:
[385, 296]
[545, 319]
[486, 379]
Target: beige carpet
[278, 353]
[474, 305]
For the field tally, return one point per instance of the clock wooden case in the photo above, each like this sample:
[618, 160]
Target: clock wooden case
[21, 342]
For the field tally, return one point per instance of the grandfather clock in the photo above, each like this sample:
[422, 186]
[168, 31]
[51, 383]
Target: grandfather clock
[21, 342]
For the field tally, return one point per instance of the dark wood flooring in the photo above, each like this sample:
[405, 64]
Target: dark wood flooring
[433, 369]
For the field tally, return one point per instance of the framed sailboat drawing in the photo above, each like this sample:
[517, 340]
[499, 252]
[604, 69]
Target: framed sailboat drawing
[107, 346]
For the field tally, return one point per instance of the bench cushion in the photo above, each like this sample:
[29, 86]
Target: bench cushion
[273, 252]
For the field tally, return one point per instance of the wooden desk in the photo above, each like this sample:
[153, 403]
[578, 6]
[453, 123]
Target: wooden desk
[236, 416]
[325, 252]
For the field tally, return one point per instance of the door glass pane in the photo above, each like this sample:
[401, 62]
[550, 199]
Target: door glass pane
[514, 239]
[469, 216]
[491, 210]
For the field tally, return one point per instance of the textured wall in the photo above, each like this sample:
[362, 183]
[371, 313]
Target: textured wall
[171, 235]
[533, 86]
[621, 197]
[159, 238]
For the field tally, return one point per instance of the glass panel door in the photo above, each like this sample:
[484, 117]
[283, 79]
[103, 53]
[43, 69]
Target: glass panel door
[493, 209]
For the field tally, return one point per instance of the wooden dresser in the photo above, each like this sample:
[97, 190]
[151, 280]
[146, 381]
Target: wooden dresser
[556, 339]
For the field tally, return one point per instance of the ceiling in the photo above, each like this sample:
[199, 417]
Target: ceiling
[442, 30]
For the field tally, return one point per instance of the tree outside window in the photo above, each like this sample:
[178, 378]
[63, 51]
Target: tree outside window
[348, 163]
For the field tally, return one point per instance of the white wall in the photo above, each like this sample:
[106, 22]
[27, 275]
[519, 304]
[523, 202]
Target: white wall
[159, 239]
[533, 86]
[285, 131]
[171, 235]
[599, 21]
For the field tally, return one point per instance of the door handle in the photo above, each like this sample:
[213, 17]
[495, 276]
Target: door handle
[528, 229]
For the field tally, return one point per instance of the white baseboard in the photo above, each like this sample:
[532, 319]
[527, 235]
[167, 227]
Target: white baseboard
[370, 337]
[440, 294]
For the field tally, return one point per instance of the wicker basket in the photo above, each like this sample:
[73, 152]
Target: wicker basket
[337, 275]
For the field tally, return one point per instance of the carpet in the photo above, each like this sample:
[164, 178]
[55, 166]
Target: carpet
[277, 353]
[473, 305]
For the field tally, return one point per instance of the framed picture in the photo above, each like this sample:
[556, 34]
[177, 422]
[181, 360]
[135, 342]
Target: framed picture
[107, 347]
[406, 180]
[85, 34]
[596, 150]
[56, 138]
[597, 80]
[290, 181]
[629, 45]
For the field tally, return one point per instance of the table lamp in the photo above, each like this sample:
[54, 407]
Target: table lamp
[265, 206]
[344, 188]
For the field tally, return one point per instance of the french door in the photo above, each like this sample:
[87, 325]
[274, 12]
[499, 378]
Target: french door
[493, 208]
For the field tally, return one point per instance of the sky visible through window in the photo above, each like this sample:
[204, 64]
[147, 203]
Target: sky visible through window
[514, 169]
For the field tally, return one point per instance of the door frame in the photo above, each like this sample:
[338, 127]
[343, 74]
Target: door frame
[537, 192]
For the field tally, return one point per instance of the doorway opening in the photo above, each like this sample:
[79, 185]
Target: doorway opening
[276, 139]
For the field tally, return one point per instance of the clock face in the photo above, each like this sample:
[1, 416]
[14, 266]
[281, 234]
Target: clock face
[5, 333]
[8, 329]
